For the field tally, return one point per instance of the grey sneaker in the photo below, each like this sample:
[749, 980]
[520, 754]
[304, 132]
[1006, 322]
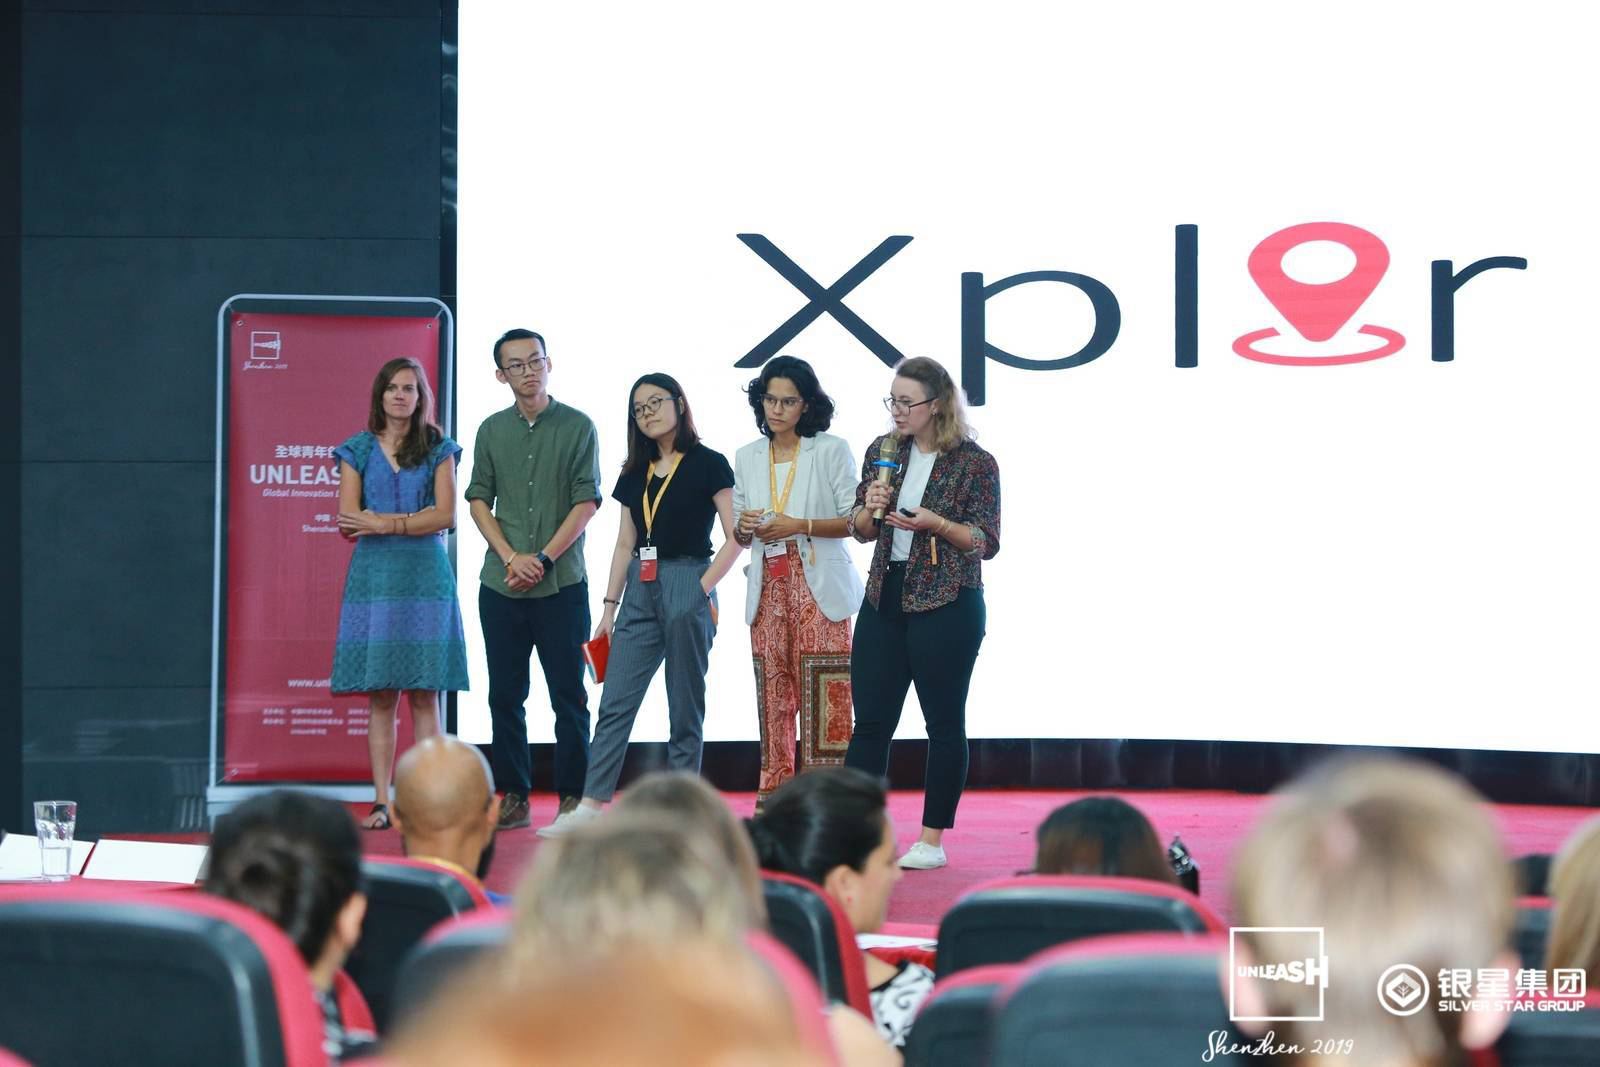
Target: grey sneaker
[566, 822]
[923, 857]
[513, 812]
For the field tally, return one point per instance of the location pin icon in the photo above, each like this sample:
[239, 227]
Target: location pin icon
[1318, 311]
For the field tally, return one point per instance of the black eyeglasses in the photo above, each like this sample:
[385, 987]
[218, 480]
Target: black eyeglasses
[516, 368]
[649, 407]
[900, 407]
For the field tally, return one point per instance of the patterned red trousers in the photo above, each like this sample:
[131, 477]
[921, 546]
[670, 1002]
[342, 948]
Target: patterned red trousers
[802, 664]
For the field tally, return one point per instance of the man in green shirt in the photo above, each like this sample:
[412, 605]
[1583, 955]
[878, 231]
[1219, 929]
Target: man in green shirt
[535, 486]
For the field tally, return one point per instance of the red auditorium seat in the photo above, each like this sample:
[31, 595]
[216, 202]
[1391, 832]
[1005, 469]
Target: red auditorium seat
[812, 925]
[405, 899]
[955, 1023]
[1009, 919]
[1148, 998]
[1552, 1039]
[157, 977]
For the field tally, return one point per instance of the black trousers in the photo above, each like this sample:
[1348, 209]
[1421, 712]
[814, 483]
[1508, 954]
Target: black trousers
[935, 651]
[513, 627]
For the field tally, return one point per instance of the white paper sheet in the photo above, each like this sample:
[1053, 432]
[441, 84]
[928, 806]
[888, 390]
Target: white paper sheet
[146, 861]
[19, 857]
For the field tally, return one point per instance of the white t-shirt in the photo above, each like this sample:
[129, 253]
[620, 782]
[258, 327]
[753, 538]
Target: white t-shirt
[918, 467]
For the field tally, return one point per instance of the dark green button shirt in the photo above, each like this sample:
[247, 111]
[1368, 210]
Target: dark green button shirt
[533, 475]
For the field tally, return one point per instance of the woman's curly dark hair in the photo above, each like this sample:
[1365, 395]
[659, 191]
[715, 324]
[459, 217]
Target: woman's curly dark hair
[818, 413]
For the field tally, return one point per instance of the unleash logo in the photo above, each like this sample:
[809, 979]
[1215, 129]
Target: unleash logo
[1295, 955]
[1316, 311]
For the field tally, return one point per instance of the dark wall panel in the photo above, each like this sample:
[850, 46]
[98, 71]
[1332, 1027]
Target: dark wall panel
[178, 125]
[132, 758]
[106, 320]
[174, 154]
[11, 792]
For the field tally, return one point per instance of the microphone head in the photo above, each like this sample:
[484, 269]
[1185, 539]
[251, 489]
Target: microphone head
[889, 447]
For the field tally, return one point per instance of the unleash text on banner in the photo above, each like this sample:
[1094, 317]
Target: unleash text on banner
[298, 385]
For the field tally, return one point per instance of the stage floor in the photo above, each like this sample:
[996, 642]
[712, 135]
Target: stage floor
[993, 838]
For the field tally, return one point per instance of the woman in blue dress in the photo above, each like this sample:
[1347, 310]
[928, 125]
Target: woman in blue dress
[400, 623]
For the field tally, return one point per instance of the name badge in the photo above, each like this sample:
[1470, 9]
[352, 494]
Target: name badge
[647, 563]
[777, 560]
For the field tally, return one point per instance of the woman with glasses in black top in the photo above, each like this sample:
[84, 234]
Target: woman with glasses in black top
[659, 602]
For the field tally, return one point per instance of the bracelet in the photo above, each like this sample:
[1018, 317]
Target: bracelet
[403, 528]
[509, 559]
[608, 600]
[944, 524]
[808, 527]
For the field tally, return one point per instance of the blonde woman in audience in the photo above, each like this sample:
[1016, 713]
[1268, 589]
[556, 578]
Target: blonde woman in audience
[697, 1003]
[1399, 864]
[637, 882]
[691, 802]
[1575, 893]
[831, 827]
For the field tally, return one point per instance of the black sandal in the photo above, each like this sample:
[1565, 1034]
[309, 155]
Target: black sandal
[380, 810]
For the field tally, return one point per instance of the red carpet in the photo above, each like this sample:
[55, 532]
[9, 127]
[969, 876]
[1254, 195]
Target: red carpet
[994, 838]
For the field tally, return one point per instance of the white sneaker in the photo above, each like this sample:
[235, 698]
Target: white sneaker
[919, 857]
[569, 821]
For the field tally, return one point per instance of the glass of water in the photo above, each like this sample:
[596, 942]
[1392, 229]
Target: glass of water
[55, 821]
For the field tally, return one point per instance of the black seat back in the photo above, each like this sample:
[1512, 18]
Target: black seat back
[1008, 920]
[1132, 1009]
[956, 1023]
[434, 962]
[127, 981]
[805, 922]
[404, 901]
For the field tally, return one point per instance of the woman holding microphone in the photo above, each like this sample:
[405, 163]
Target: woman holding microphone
[793, 491]
[923, 619]
[659, 603]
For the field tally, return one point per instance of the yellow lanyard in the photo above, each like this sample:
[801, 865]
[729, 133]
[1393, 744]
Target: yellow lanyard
[780, 504]
[649, 507]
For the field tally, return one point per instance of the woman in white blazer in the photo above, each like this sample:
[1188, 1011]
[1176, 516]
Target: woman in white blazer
[793, 490]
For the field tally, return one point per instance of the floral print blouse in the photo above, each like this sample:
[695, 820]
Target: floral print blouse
[963, 487]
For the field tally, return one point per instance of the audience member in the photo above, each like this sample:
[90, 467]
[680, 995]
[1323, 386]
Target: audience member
[1398, 864]
[1575, 895]
[642, 881]
[692, 803]
[695, 1003]
[623, 883]
[444, 807]
[831, 827]
[296, 859]
[1101, 835]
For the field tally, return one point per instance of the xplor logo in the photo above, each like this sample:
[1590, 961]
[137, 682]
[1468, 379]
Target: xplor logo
[1294, 955]
[1316, 311]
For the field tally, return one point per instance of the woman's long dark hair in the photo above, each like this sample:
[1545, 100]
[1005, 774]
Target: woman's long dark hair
[424, 432]
[818, 415]
[1101, 835]
[294, 858]
[642, 451]
[818, 820]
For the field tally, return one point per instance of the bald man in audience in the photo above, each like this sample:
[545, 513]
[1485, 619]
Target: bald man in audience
[444, 807]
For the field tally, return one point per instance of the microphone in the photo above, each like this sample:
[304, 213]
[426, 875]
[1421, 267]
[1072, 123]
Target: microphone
[888, 450]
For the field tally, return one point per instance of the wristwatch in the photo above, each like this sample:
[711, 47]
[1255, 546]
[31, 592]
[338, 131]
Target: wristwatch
[544, 560]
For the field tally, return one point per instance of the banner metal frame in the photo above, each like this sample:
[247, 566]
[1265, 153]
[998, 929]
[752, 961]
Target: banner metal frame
[219, 795]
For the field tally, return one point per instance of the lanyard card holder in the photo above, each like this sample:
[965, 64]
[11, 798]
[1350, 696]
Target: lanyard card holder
[647, 563]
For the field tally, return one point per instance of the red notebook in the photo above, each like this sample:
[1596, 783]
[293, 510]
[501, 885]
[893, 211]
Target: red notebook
[595, 654]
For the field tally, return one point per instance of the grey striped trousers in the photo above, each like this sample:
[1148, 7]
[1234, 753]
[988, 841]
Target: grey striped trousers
[668, 619]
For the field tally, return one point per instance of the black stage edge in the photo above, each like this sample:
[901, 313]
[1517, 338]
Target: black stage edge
[13, 816]
[1245, 766]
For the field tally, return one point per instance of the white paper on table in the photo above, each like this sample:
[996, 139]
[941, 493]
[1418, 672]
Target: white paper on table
[146, 861]
[19, 857]
[893, 941]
